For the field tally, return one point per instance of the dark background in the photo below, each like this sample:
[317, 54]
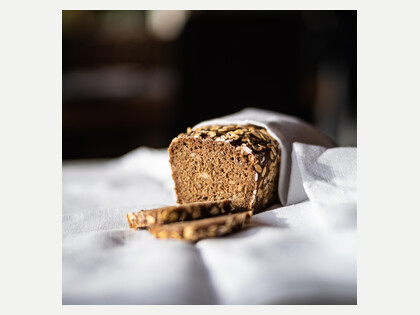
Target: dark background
[134, 78]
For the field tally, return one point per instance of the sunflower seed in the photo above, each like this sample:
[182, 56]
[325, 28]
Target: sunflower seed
[212, 229]
[196, 213]
[258, 168]
[183, 216]
[273, 150]
[214, 210]
[175, 234]
[150, 220]
[173, 217]
[189, 233]
[165, 215]
[162, 234]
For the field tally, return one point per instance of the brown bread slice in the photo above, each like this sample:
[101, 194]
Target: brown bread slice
[238, 162]
[204, 228]
[185, 212]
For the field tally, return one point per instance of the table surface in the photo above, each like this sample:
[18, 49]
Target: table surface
[286, 256]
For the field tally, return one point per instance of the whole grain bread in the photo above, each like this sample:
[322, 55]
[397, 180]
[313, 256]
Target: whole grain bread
[203, 228]
[237, 162]
[186, 212]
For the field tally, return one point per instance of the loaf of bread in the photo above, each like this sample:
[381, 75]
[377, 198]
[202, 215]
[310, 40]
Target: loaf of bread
[237, 162]
[191, 211]
[204, 228]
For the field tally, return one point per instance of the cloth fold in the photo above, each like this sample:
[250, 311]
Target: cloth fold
[286, 130]
[329, 178]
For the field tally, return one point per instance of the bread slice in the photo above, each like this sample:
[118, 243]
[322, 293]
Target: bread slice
[237, 162]
[192, 211]
[204, 228]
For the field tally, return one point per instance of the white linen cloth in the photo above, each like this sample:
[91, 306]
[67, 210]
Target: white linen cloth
[329, 177]
[286, 130]
[288, 255]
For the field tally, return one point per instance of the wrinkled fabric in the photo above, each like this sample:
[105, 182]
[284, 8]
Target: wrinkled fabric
[288, 255]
